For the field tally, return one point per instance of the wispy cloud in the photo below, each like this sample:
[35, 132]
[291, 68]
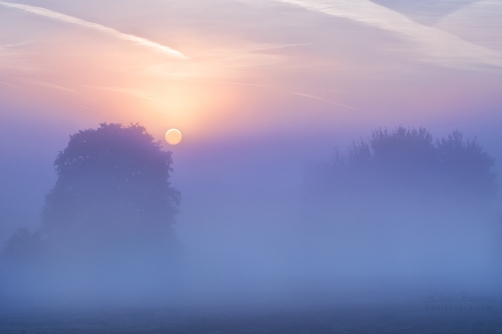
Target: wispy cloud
[13, 56]
[479, 22]
[435, 45]
[10, 85]
[276, 47]
[109, 31]
[313, 97]
[49, 85]
[221, 63]
[284, 89]
[131, 92]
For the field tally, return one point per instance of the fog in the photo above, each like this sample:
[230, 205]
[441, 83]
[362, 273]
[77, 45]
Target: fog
[260, 223]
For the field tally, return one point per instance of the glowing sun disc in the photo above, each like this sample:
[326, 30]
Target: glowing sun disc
[173, 136]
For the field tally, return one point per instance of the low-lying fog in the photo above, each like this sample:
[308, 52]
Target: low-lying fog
[281, 222]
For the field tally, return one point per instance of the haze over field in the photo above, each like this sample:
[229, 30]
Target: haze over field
[301, 177]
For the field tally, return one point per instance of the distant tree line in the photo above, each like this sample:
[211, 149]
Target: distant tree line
[406, 161]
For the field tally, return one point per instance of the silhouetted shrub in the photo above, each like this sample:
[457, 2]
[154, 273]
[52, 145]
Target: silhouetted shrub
[24, 246]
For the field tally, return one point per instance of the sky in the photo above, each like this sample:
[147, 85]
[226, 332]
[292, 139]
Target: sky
[259, 89]
[217, 68]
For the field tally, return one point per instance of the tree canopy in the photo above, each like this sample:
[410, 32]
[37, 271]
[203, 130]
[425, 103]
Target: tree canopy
[112, 181]
[408, 159]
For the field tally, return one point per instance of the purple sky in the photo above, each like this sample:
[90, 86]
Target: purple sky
[217, 68]
[291, 76]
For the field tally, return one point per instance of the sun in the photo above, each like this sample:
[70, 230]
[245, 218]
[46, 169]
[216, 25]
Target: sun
[173, 136]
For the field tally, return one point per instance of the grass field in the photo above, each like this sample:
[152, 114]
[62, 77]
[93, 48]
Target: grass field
[354, 319]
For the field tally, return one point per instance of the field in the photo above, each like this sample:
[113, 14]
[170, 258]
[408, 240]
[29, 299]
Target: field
[355, 319]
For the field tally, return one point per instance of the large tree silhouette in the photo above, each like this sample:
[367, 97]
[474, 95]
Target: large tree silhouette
[112, 187]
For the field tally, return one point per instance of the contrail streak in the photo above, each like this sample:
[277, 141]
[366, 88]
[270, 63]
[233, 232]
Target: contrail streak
[130, 92]
[437, 45]
[49, 85]
[309, 96]
[313, 97]
[8, 84]
[109, 31]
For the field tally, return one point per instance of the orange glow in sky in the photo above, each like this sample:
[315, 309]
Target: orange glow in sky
[217, 73]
